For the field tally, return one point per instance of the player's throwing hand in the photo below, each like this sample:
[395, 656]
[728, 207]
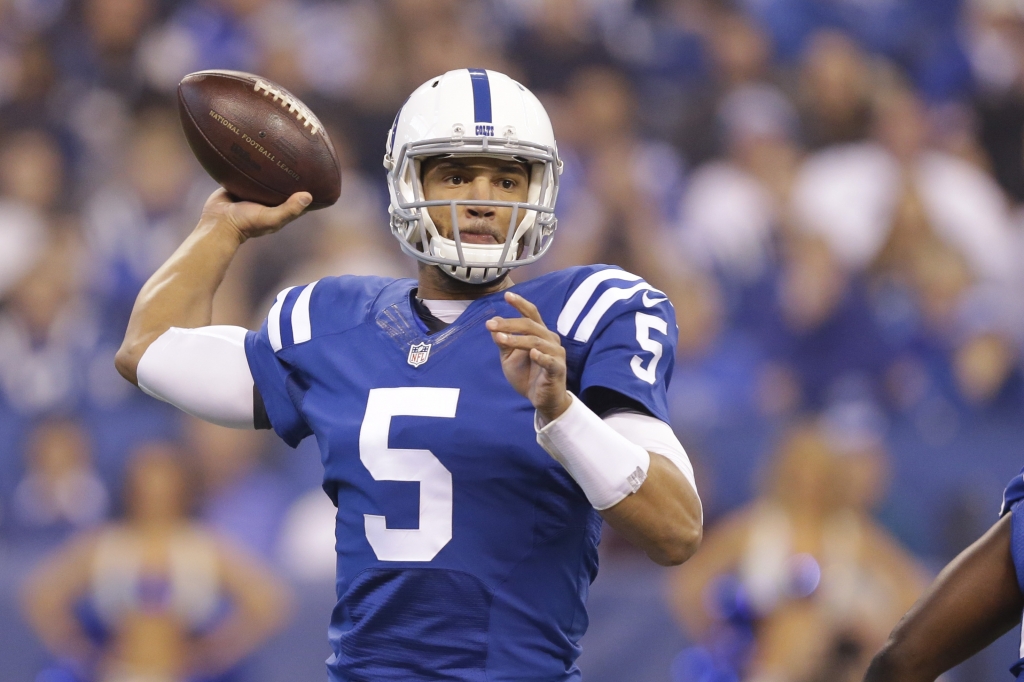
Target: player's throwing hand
[249, 219]
[532, 357]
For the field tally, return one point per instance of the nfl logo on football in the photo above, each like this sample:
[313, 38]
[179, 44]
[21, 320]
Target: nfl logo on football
[419, 353]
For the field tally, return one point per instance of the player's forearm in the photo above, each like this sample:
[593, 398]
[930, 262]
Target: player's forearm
[888, 668]
[180, 293]
[974, 600]
[643, 494]
[663, 517]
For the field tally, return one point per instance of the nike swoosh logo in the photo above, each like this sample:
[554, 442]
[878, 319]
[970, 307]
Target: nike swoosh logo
[648, 302]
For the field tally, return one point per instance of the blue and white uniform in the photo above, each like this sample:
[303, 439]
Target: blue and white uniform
[1012, 498]
[465, 552]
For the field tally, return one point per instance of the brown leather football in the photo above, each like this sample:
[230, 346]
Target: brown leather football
[257, 139]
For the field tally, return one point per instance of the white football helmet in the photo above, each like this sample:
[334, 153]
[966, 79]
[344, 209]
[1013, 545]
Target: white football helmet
[472, 112]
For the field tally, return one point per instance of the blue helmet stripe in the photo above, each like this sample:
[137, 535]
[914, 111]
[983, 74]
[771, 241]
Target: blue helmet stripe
[481, 95]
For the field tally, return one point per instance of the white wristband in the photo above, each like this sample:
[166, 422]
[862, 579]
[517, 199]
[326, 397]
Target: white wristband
[605, 464]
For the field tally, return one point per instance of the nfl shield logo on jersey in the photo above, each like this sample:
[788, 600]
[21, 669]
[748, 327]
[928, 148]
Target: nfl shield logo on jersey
[419, 353]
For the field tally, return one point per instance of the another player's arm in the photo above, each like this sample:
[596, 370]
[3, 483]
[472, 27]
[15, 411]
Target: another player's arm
[974, 601]
[663, 516]
[180, 293]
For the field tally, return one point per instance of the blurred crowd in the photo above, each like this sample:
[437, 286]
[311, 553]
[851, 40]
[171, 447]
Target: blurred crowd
[831, 192]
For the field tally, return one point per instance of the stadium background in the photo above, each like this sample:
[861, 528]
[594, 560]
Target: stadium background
[830, 191]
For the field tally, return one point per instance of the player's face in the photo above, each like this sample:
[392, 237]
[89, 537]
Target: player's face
[483, 178]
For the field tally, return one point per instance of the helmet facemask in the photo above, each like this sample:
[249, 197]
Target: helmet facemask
[531, 225]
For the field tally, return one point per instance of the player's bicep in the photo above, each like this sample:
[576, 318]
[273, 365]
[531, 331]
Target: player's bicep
[203, 372]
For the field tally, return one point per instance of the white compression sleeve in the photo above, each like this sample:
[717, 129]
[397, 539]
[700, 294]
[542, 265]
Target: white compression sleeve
[203, 372]
[605, 464]
[604, 455]
[653, 435]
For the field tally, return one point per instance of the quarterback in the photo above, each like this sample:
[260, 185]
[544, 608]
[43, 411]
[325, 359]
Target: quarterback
[474, 432]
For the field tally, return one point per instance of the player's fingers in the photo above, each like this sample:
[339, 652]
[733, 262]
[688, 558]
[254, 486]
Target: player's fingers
[303, 199]
[286, 212]
[509, 342]
[520, 325]
[525, 308]
[552, 365]
[505, 349]
[528, 342]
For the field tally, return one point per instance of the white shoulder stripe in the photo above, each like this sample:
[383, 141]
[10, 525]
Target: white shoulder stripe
[301, 330]
[581, 296]
[274, 320]
[607, 299]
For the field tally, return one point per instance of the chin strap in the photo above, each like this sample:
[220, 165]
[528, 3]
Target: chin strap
[474, 253]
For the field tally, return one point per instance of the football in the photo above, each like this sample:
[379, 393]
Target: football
[257, 139]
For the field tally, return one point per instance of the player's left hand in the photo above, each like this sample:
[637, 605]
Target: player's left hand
[532, 357]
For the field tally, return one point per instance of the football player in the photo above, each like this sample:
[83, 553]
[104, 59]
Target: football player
[474, 432]
[976, 599]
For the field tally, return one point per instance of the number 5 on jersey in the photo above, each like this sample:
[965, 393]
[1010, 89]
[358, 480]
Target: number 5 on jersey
[394, 464]
[644, 324]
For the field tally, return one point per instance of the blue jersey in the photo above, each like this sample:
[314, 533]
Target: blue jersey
[1012, 498]
[465, 552]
